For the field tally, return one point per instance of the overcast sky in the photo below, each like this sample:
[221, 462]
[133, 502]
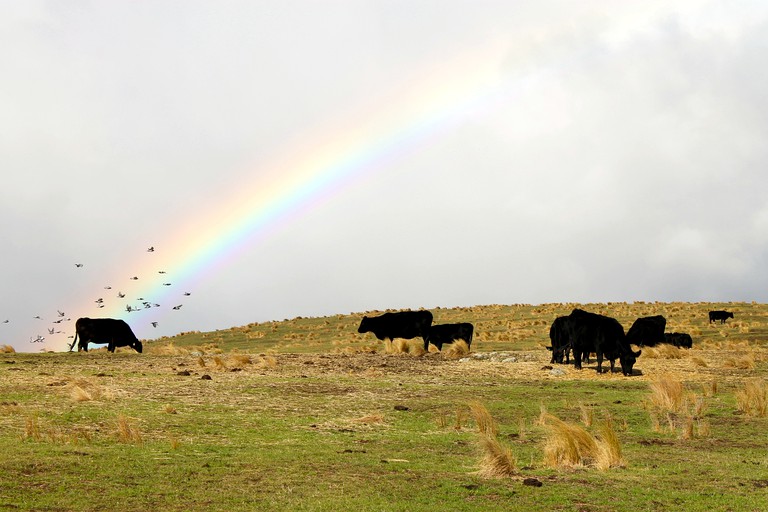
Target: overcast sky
[508, 152]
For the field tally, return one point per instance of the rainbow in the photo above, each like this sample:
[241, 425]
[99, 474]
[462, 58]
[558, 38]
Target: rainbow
[287, 188]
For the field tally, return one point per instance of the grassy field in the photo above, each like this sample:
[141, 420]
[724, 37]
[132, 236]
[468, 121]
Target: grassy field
[307, 414]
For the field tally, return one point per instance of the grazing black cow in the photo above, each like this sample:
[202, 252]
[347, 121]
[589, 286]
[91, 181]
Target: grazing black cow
[719, 315]
[405, 324]
[647, 331]
[590, 332]
[113, 332]
[559, 335]
[678, 339]
[448, 333]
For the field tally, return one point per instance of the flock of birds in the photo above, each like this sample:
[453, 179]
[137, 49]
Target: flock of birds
[131, 306]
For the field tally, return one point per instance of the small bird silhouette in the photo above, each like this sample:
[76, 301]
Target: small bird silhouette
[187, 294]
[107, 287]
[38, 317]
[51, 331]
[79, 265]
[166, 284]
[60, 313]
[120, 294]
[177, 307]
[151, 249]
[99, 300]
[6, 321]
[134, 278]
[154, 324]
[161, 272]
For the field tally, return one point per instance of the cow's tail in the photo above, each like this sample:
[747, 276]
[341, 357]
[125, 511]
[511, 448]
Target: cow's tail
[73, 342]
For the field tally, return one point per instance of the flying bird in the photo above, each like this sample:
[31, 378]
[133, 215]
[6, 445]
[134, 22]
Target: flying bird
[166, 284]
[151, 249]
[120, 294]
[37, 316]
[51, 331]
[79, 265]
[128, 308]
[60, 312]
[99, 300]
[161, 272]
[177, 307]
[107, 287]
[187, 294]
[5, 321]
[154, 324]
[134, 278]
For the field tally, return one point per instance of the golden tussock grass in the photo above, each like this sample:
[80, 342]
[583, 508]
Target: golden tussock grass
[568, 445]
[267, 361]
[666, 393]
[241, 359]
[663, 351]
[413, 347]
[127, 431]
[745, 362]
[32, 428]
[486, 425]
[370, 419]
[83, 390]
[7, 349]
[219, 363]
[587, 415]
[752, 399]
[455, 350]
[497, 461]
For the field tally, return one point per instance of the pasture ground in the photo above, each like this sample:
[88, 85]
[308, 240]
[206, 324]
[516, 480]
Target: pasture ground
[307, 414]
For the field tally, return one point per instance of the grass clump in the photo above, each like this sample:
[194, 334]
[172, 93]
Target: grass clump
[456, 350]
[752, 399]
[569, 446]
[127, 431]
[497, 460]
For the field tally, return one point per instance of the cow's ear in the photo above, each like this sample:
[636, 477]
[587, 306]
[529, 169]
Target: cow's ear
[637, 354]
[549, 348]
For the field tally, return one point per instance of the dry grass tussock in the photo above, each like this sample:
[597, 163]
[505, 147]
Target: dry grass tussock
[7, 349]
[455, 350]
[752, 399]
[127, 431]
[497, 460]
[568, 445]
[370, 419]
[413, 347]
[83, 390]
[664, 351]
[666, 393]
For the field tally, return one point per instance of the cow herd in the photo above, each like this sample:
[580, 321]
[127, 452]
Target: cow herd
[580, 333]
[414, 324]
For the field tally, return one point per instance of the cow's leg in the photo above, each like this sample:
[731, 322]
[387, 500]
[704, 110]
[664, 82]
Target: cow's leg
[599, 361]
[577, 359]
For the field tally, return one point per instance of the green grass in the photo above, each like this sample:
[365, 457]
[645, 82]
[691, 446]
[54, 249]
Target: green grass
[321, 431]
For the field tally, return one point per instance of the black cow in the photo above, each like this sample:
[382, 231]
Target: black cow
[719, 315]
[647, 331]
[678, 339]
[405, 324]
[559, 335]
[590, 332]
[113, 332]
[448, 333]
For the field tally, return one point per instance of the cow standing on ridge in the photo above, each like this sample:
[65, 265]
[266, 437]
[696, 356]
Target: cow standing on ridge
[405, 324]
[441, 334]
[647, 331]
[113, 332]
[590, 332]
[719, 315]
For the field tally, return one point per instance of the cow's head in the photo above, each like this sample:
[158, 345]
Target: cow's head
[363, 325]
[137, 346]
[628, 360]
